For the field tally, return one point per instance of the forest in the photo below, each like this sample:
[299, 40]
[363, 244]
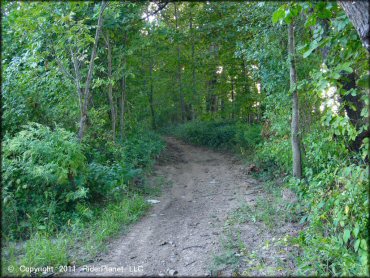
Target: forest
[185, 138]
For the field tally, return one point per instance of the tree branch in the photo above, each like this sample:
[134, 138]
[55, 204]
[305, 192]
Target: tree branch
[160, 7]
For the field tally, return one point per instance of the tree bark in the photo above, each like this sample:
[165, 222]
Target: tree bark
[353, 106]
[77, 76]
[152, 112]
[194, 87]
[123, 108]
[85, 106]
[110, 86]
[182, 101]
[232, 98]
[245, 75]
[358, 13]
[211, 98]
[296, 148]
[76, 66]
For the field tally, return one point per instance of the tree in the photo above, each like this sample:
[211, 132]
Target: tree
[179, 69]
[110, 85]
[358, 13]
[87, 91]
[296, 148]
[193, 65]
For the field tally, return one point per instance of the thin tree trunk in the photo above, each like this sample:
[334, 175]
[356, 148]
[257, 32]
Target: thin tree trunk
[354, 114]
[245, 75]
[182, 101]
[232, 99]
[215, 104]
[296, 148]
[193, 66]
[122, 106]
[76, 67]
[358, 13]
[110, 87]
[222, 107]
[152, 112]
[83, 120]
[245, 85]
[123, 97]
[76, 78]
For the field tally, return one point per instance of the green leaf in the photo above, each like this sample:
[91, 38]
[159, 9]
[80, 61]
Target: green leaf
[344, 67]
[364, 82]
[363, 244]
[335, 75]
[288, 18]
[346, 235]
[278, 15]
[314, 44]
[324, 13]
[357, 244]
[311, 21]
[364, 112]
[356, 230]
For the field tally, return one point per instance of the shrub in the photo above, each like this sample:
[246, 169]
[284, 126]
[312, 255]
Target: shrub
[336, 208]
[333, 202]
[276, 152]
[112, 166]
[141, 148]
[220, 135]
[247, 136]
[43, 176]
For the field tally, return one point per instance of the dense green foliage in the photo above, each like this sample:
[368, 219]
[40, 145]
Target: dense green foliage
[219, 135]
[47, 177]
[83, 238]
[85, 85]
[43, 175]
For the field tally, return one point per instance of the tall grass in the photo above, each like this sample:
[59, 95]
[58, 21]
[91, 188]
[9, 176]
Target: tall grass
[81, 243]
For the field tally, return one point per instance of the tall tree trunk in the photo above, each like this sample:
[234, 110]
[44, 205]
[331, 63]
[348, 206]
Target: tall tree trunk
[182, 101]
[214, 103]
[152, 111]
[245, 75]
[222, 105]
[194, 87]
[122, 107]
[232, 98]
[110, 87]
[85, 106]
[76, 66]
[123, 96]
[358, 13]
[77, 74]
[211, 98]
[350, 102]
[296, 148]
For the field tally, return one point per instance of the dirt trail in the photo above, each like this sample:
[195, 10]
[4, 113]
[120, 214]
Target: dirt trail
[181, 233]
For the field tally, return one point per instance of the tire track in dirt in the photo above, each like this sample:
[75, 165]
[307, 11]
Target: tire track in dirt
[181, 234]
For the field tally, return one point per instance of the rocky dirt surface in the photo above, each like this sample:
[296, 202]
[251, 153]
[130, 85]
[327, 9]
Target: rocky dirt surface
[182, 234]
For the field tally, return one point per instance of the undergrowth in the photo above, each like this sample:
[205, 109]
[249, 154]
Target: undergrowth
[332, 198]
[62, 199]
[78, 243]
[222, 135]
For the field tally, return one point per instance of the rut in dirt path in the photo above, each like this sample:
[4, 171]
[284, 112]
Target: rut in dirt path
[181, 234]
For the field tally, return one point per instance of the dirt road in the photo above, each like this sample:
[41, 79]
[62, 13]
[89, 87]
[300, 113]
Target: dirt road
[181, 234]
